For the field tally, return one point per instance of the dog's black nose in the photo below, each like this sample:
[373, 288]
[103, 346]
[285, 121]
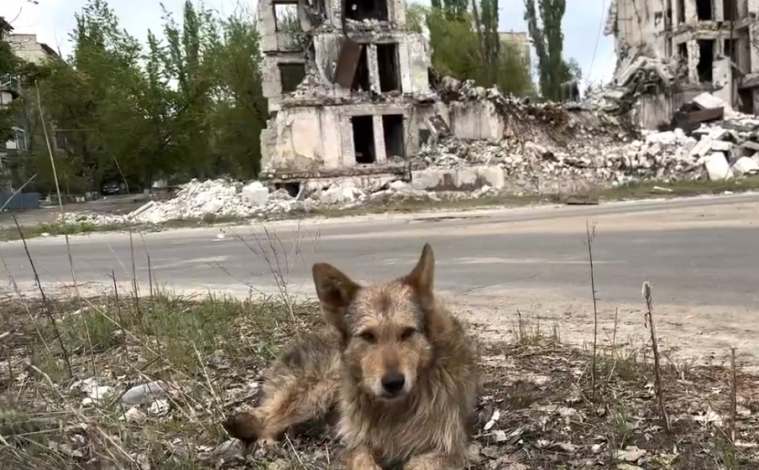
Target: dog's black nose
[393, 383]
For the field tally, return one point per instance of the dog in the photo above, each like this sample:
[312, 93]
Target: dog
[395, 370]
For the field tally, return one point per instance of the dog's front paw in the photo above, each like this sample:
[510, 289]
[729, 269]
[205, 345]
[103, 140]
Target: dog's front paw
[243, 426]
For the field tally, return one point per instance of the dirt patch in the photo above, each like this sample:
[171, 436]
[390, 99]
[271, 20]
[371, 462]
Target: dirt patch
[699, 334]
[71, 397]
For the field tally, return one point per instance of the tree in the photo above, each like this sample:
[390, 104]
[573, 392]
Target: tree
[453, 10]
[471, 48]
[548, 40]
[9, 67]
[572, 70]
[486, 22]
[241, 109]
[189, 60]
[188, 105]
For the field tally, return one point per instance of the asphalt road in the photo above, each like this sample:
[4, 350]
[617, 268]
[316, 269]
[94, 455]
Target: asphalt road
[699, 251]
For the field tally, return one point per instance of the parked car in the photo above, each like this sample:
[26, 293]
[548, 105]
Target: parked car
[111, 187]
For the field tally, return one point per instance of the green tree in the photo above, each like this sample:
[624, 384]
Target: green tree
[188, 105]
[9, 67]
[472, 49]
[189, 59]
[548, 40]
[453, 10]
[572, 70]
[241, 109]
[91, 95]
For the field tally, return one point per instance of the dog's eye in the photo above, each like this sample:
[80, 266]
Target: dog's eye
[408, 333]
[367, 336]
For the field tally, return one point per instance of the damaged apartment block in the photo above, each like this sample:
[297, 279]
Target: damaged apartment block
[701, 46]
[347, 88]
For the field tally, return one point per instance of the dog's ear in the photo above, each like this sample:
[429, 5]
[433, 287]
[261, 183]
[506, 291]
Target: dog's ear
[422, 277]
[336, 291]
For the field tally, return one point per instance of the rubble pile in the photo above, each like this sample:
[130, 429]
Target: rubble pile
[223, 199]
[525, 120]
[639, 72]
[717, 150]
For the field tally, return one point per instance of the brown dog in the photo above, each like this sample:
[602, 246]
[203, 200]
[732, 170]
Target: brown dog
[399, 370]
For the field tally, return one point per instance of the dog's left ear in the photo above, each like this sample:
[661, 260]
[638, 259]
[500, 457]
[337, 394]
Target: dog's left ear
[422, 277]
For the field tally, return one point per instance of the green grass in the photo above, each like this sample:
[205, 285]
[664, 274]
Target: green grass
[79, 228]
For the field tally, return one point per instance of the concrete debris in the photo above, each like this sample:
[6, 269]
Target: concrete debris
[222, 199]
[717, 167]
[708, 101]
[717, 150]
[746, 166]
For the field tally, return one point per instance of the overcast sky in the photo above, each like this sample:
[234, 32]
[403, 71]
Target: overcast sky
[52, 20]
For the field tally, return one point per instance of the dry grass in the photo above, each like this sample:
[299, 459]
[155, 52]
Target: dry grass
[210, 353]
[69, 370]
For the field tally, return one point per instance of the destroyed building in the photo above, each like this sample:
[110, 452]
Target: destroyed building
[349, 93]
[670, 51]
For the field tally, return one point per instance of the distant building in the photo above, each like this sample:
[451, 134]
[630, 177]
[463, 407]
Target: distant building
[26, 48]
[5, 28]
[521, 41]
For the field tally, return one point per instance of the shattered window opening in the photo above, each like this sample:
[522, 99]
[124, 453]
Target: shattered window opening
[361, 78]
[392, 128]
[291, 75]
[286, 18]
[363, 139]
[730, 9]
[704, 10]
[389, 67]
[730, 48]
[746, 101]
[680, 11]
[706, 58]
[360, 10]
[682, 50]
[424, 136]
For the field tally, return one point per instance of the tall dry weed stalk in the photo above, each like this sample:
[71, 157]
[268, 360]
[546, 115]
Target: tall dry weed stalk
[649, 317]
[590, 234]
[280, 260]
[45, 302]
[57, 186]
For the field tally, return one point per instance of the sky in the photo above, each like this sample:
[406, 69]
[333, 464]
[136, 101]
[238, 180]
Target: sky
[53, 20]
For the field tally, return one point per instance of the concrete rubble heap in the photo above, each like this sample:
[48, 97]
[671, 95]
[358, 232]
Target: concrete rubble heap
[548, 144]
[224, 199]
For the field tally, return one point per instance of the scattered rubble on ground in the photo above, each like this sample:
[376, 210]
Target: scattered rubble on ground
[222, 199]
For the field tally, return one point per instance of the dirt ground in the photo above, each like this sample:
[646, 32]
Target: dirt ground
[692, 334]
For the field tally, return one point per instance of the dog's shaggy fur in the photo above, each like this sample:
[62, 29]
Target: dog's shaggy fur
[397, 370]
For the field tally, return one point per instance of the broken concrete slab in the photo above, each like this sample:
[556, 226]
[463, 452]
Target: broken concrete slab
[708, 101]
[745, 166]
[255, 194]
[717, 167]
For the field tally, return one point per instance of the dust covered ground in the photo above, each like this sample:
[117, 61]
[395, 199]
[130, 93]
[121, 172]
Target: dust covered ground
[72, 392]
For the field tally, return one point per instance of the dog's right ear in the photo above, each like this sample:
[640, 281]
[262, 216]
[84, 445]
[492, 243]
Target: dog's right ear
[336, 291]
